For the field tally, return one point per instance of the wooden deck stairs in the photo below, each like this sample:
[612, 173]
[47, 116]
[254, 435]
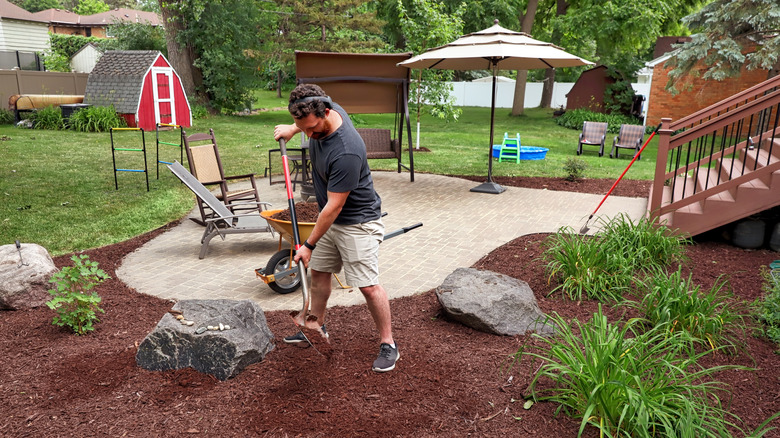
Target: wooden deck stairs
[720, 164]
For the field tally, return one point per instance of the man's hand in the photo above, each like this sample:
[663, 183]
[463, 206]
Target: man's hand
[303, 254]
[285, 131]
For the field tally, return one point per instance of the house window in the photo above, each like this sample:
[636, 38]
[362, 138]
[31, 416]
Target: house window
[88, 31]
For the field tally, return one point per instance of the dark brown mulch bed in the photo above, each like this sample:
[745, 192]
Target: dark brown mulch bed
[450, 381]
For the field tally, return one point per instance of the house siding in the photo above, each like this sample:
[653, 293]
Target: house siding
[24, 36]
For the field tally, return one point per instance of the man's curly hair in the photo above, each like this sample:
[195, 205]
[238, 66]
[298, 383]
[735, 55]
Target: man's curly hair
[300, 110]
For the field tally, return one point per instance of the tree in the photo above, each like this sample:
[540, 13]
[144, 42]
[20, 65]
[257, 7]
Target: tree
[138, 36]
[39, 5]
[730, 34]
[425, 25]
[212, 46]
[89, 7]
[527, 23]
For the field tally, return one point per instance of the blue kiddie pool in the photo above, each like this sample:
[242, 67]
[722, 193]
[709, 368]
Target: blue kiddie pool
[526, 152]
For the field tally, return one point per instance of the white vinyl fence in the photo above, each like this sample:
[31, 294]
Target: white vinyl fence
[478, 93]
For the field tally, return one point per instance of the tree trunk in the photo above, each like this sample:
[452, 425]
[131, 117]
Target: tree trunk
[549, 76]
[527, 23]
[181, 56]
[548, 88]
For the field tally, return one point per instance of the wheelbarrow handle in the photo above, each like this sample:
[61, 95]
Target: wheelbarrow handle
[403, 230]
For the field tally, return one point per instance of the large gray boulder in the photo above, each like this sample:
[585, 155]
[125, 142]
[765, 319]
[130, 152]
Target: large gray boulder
[24, 282]
[492, 302]
[221, 353]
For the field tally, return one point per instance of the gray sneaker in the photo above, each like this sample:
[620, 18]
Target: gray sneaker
[386, 360]
[299, 338]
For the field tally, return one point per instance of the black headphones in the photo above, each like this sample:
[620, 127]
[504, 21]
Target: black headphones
[324, 99]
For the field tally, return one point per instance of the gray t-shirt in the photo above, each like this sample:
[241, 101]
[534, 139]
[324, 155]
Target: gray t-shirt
[339, 165]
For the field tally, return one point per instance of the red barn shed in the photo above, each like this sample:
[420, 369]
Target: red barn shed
[588, 91]
[142, 86]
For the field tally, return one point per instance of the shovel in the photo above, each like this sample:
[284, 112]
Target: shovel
[298, 317]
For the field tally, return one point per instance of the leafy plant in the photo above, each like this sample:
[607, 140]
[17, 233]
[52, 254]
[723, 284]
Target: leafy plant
[645, 244]
[767, 307]
[574, 168]
[75, 306]
[95, 119]
[629, 383]
[49, 117]
[707, 317]
[583, 268]
[6, 117]
[573, 119]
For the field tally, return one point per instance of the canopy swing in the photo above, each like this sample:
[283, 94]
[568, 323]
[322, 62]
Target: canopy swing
[364, 83]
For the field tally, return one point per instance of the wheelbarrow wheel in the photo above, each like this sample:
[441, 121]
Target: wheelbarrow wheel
[281, 262]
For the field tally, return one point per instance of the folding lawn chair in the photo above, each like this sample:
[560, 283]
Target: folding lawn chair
[224, 221]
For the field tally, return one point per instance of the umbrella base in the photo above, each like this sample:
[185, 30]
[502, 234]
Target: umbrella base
[489, 187]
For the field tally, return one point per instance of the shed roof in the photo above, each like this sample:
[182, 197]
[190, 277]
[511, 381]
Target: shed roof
[118, 79]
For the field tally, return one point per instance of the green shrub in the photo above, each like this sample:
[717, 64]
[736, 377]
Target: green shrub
[767, 307]
[573, 119]
[6, 117]
[198, 111]
[626, 382]
[708, 317]
[95, 119]
[645, 244]
[575, 168]
[583, 269]
[75, 307]
[49, 117]
[603, 266]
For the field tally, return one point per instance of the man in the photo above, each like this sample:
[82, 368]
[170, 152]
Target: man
[348, 230]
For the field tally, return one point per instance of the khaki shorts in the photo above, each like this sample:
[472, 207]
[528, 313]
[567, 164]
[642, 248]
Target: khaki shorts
[353, 247]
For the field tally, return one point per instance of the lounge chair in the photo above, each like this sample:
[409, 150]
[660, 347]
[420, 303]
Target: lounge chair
[206, 166]
[593, 134]
[224, 221]
[629, 137]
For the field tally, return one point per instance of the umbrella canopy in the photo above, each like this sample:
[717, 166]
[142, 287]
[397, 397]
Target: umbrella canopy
[494, 48]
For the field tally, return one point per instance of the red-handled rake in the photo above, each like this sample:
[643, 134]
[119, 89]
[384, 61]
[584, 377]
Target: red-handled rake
[585, 227]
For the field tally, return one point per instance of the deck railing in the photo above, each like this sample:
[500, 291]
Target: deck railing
[734, 131]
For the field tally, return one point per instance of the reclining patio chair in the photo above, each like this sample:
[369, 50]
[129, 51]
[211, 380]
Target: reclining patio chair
[224, 221]
[206, 166]
[593, 134]
[629, 137]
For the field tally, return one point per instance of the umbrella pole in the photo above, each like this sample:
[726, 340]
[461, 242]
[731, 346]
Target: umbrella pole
[490, 186]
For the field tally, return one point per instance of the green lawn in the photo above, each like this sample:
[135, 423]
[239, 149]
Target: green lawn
[57, 187]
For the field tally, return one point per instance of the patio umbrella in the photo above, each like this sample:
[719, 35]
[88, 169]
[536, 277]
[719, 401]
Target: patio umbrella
[494, 48]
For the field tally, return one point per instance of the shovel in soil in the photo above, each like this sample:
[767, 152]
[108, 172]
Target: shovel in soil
[300, 317]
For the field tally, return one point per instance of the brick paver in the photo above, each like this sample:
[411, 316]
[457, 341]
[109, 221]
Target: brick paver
[459, 227]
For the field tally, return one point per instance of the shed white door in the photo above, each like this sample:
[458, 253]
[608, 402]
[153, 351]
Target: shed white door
[164, 108]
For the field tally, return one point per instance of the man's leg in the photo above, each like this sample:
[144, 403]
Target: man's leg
[320, 293]
[379, 306]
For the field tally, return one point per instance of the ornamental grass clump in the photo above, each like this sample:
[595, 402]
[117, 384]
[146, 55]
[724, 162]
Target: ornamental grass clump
[628, 382]
[708, 317]
[49, 117]
[583, 269]
[767, 308]
[76, 307]
[603, 266]
[96, 119]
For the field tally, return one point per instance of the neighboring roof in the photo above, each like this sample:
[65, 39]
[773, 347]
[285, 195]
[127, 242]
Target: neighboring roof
[11, 11]
[58, 16]
[663, 45]
[118, 79]
[122, 14]
[87, 46]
